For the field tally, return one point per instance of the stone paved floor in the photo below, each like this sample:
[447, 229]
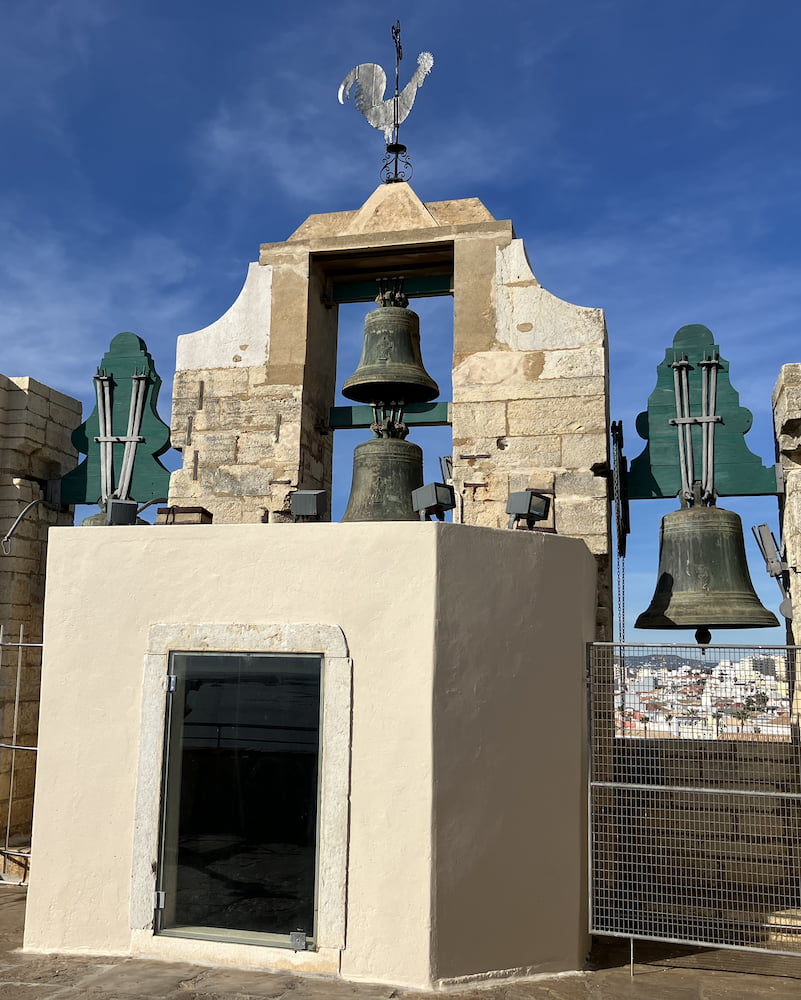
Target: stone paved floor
[657, 976]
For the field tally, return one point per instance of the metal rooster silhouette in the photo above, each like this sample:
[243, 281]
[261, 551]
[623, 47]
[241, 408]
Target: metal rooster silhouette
[370, 83]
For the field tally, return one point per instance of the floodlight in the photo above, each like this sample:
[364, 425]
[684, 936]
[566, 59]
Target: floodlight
[121, 511]
[528, 506]
[433, 498]
[308, 503]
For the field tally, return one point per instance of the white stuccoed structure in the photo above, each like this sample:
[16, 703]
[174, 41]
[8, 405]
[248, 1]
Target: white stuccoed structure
[453, 830]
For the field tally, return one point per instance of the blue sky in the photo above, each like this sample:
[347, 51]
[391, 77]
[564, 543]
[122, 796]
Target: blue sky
[647, 152]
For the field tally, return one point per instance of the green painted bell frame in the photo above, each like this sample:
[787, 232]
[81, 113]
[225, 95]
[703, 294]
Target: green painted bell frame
[124, 436]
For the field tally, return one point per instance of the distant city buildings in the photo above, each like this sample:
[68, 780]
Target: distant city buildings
[667, 697]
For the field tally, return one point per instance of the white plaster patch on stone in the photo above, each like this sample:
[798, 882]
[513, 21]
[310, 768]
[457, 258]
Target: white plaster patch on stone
[529, 318]
[490, 368]
[242, 333]
[576, 363]
[514, 267]
[302, 637]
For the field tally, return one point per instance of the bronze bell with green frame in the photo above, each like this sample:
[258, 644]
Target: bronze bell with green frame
[703, 580]
[390, 375]
[695, 427]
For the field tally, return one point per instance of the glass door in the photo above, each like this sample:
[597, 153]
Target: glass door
[238, 856]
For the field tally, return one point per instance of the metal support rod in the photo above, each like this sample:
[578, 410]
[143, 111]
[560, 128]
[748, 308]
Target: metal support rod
[709, 391]
[713, 395]
[14, 734]
[688, 434]
[704, 436]
[138, 392]
[684, 439]
[696, 789]
[103, 391]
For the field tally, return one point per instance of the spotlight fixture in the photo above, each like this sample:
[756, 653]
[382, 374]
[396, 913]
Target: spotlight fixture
[121, 511]
[308, 503]
[527, 506]
[433, 498]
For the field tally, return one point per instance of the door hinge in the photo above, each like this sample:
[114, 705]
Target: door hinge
[172, 682]
[160, 899]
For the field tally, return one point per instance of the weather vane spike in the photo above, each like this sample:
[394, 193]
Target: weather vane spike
[369, 82]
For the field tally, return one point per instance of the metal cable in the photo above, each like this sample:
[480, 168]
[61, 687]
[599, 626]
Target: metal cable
[5, 544]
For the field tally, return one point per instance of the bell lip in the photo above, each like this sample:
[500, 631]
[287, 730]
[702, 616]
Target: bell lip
[364, 391]
[661, 622]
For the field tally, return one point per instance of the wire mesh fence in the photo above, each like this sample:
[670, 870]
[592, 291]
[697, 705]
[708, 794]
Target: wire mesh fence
[20, 674]
[695, 795]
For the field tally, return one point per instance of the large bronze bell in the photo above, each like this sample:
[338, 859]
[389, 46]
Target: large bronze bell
[703, 575]
[391, 367]
[385, 471]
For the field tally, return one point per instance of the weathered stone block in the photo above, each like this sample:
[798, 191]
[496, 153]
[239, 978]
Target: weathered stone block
[580, 483]
[24, 444]
[478, 420]
[570, 415]
[67, 417]
[582, 451]
[37, 404]
[581, 362]
[508, 453]
[484, 513]
[226, 510]
[504, 375]
[181, 480]
[580, 517]
[215, 449]
[597, 544]
[243, 480]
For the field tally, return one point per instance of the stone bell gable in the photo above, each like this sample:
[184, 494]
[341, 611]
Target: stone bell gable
[253, 390]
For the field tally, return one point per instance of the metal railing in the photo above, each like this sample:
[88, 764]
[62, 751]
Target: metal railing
[18, 662]
[695, 795]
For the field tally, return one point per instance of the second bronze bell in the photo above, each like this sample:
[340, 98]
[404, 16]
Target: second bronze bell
[385, 471]
[703, 579]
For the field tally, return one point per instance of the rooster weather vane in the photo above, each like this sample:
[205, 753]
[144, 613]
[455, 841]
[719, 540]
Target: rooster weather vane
[369, 82]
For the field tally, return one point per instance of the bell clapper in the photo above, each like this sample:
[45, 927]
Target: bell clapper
[703, 637]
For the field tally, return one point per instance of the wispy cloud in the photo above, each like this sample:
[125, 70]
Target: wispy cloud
[718, 257]
[42, 43]
[725, 107]
[61, 301]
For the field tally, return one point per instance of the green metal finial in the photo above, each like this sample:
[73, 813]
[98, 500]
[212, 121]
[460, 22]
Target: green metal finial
[695, 429]
[124, 435]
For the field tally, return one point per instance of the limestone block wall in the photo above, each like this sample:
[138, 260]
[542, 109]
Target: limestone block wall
[35, 427]
[241, 404]
[787, 425]
[530, 403]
